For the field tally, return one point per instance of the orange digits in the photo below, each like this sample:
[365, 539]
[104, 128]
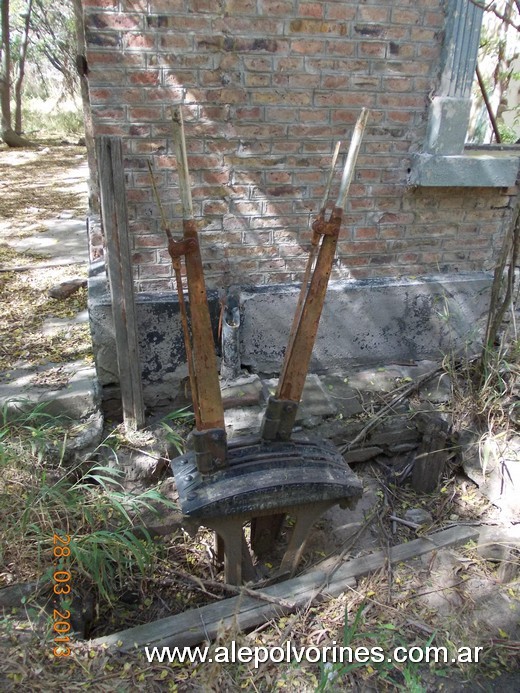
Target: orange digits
[61, 589]
[60, 651]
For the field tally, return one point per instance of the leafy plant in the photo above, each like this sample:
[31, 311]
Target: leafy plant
[91, 507]
[174, 425]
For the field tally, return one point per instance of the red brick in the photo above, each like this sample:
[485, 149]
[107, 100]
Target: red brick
[166, 6]
[118, 21]
[340, 11]
[311, 9]
[139, 41]
[144, 78]
[144, 114]
[276, 7]
[373, 14]
[102, 4]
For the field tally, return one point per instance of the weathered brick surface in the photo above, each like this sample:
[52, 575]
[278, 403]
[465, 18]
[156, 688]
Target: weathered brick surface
[268, 87]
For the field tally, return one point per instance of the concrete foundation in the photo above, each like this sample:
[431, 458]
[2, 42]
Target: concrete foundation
[364, 323]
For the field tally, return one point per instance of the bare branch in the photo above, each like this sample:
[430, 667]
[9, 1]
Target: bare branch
[492, 7]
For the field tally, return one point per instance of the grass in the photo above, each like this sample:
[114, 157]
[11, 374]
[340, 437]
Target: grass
[41, 498]
[47, 119]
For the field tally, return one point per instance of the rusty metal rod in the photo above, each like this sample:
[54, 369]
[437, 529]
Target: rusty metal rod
[305, 324]
[310, 260]
[176, 263]
[206, 386]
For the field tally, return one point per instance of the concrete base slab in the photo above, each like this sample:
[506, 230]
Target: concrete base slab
[69, 389]
[370, 322]
[364, 323]
[315, 400]
[247, 420]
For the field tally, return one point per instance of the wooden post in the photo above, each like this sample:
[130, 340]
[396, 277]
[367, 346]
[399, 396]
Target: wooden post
[432, 454]
[120, 277]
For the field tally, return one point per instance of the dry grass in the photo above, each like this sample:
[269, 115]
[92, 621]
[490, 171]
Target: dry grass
[38, 185]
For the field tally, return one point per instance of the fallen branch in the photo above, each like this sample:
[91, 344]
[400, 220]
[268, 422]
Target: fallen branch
[244, 612]
[231, 589]
[404, 392]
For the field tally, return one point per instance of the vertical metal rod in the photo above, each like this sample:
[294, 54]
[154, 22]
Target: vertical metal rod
[176, 263]
[305, 325]
[206, 383]
[310, 261]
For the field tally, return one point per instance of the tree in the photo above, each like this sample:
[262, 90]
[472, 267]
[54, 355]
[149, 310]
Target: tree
[53, 39]
[498, 55]
[21, 70]
[9, 136]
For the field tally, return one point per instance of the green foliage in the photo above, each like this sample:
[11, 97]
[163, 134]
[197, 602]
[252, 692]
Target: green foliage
[39, 498]
[174, 424]
[52, 45]
[49, 120]
[401, 676]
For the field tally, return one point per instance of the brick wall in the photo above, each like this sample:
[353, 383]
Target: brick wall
[268, 87]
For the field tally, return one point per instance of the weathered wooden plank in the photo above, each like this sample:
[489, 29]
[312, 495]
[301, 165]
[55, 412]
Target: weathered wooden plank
[120, 276]
[244, 612]
[432, 455]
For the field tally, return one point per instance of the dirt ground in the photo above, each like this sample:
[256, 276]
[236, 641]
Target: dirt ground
[39, 188]
[454, 598]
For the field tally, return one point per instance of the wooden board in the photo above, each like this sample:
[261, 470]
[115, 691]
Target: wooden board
[120, 277]
[245, 612]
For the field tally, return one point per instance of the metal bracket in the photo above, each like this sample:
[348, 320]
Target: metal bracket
[279, 418]
[331, 227]
[210, 449]
[178, 249]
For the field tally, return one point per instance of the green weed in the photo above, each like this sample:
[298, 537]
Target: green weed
[39, 500]
[174, 425]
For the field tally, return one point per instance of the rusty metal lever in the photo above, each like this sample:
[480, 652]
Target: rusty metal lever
[282, 408]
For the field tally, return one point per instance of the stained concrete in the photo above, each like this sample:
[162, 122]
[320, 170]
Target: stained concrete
[370, 322]
[468, 170]
[68, 389]
[364, 323]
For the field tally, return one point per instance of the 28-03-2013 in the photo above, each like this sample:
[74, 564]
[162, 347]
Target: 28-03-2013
[62, 586]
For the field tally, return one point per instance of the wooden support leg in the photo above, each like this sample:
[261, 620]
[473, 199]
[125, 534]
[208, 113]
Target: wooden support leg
[264, 532]
[305, 518]
[238, 566]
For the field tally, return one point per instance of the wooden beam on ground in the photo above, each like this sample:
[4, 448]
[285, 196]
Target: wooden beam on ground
[120, 277]
[244, 612]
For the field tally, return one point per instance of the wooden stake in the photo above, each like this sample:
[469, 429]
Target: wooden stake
[120, 276]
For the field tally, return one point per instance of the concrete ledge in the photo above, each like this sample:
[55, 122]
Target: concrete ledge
[370, 322]
[364, 323]
[498, 170]
[78, 398]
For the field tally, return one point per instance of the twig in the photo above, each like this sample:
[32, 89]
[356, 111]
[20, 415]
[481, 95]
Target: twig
[233, 589]
[405, 391]
[491, 7]
[441, 589]
[406, 523]
[487, 102]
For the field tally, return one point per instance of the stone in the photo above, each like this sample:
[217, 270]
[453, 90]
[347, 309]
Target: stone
[498, 543]
[244, 391]
[67, 288]
[493, 463]
[315, 400]
[362, 454]
[419, 516]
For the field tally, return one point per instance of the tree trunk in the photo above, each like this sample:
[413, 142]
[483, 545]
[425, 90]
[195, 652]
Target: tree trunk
[81, 63]
[7, 133]
[21, 71]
